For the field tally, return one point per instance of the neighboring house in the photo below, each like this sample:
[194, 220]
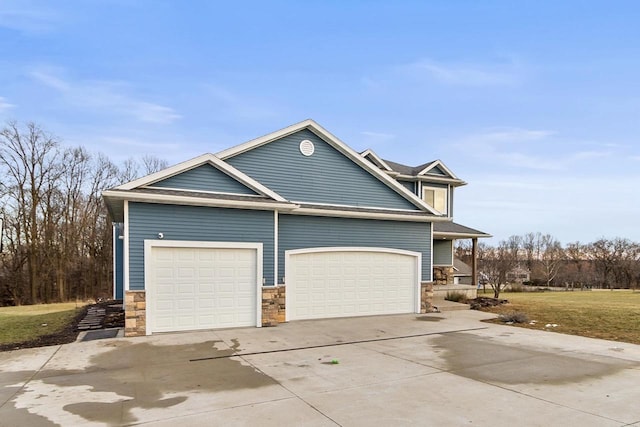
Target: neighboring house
[462, 273]
[292, 225]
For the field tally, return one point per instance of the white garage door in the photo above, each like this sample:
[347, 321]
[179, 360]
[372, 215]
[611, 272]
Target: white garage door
[202, 288]
[342, 283]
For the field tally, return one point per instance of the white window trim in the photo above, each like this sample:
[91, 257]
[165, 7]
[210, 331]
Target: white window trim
[149, 291]
[446, 197]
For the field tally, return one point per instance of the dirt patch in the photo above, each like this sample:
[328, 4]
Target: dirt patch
[114, 318]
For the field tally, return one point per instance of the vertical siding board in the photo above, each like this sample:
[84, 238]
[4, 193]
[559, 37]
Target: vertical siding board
[199, 224]
[442, 252]
[204, 178]
[298, 232]
[327, 176]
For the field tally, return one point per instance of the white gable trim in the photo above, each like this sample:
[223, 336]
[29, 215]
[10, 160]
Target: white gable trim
[378, 159]
[207, 158]
[441, 166]
[336, 143]
[133, 196]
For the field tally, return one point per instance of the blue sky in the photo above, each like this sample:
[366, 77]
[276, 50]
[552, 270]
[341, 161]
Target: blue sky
[536, 104]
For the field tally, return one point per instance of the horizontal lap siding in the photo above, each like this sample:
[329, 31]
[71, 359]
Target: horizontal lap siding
[299, 232]
[205, 178]
[409, 185]
[198, 224]
[327, 176]
[443, 252]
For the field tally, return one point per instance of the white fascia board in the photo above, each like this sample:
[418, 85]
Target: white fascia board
[207, 158]
[433, 178]
[441, 165]
[196, 201]
[450, 235]
[366, 215]
[166, 173]
[335, 143]
[340, 206]
[370, 152]
[257, 142]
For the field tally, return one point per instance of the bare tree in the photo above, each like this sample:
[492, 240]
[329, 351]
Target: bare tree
[28, 159]
[495, 263]
[151, 164]
[551, 257]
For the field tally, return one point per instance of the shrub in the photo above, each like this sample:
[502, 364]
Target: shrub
[516, 287]
[456, 297]
[515, 317]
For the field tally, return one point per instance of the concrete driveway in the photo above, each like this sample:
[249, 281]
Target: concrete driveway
[444, 369]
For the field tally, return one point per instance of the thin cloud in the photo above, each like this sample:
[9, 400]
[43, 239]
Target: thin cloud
[4, 105]
[104, 96]
[466, 74]
[494, 147]
[515, 134]
[380, 136]
[239, 106]
[26, 17]
[591, 154]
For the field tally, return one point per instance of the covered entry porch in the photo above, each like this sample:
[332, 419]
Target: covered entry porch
[451, 274]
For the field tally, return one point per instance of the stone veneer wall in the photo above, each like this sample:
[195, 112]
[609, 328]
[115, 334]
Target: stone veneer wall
[443, 276]
[273, 305]
[135, 314]
[426, 297]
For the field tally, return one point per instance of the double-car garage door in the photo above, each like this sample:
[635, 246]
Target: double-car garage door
[343, 282]
[192, 288]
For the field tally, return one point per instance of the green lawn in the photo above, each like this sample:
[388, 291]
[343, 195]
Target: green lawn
[611, 315]
[27, 322]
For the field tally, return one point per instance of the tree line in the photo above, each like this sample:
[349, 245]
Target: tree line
[605, 263]
[56, 240]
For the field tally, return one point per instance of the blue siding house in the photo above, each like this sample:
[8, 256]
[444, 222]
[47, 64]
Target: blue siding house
[292, 225]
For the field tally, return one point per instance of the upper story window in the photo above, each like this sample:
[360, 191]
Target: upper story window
[436, 197]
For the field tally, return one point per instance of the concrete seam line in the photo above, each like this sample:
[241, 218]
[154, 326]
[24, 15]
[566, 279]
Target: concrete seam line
[333, 344]
[31, 377]
[290, 391]
[531, 396]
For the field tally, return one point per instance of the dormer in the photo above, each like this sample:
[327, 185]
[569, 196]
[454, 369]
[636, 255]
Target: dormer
[433, 182]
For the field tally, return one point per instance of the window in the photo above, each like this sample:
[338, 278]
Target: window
[436, 198]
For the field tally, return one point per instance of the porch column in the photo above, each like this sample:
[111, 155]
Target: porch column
[474, 261]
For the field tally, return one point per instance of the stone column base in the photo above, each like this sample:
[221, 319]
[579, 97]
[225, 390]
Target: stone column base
[135, 314]
[426, 297]
[273, 305]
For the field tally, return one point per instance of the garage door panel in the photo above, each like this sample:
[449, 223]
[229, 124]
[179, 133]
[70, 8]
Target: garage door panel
[202, 288]
[350, 283]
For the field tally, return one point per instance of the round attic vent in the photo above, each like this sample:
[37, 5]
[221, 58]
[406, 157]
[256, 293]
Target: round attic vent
[306, 147]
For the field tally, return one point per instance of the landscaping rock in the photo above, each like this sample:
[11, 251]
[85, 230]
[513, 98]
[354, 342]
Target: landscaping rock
[484, 302]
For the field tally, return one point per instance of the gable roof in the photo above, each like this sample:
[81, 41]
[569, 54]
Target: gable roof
[422, 171]
[377, 160]
[207, 158]
[340, 146]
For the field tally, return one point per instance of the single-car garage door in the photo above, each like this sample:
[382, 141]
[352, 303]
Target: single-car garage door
[202, 288]
[342, 282]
